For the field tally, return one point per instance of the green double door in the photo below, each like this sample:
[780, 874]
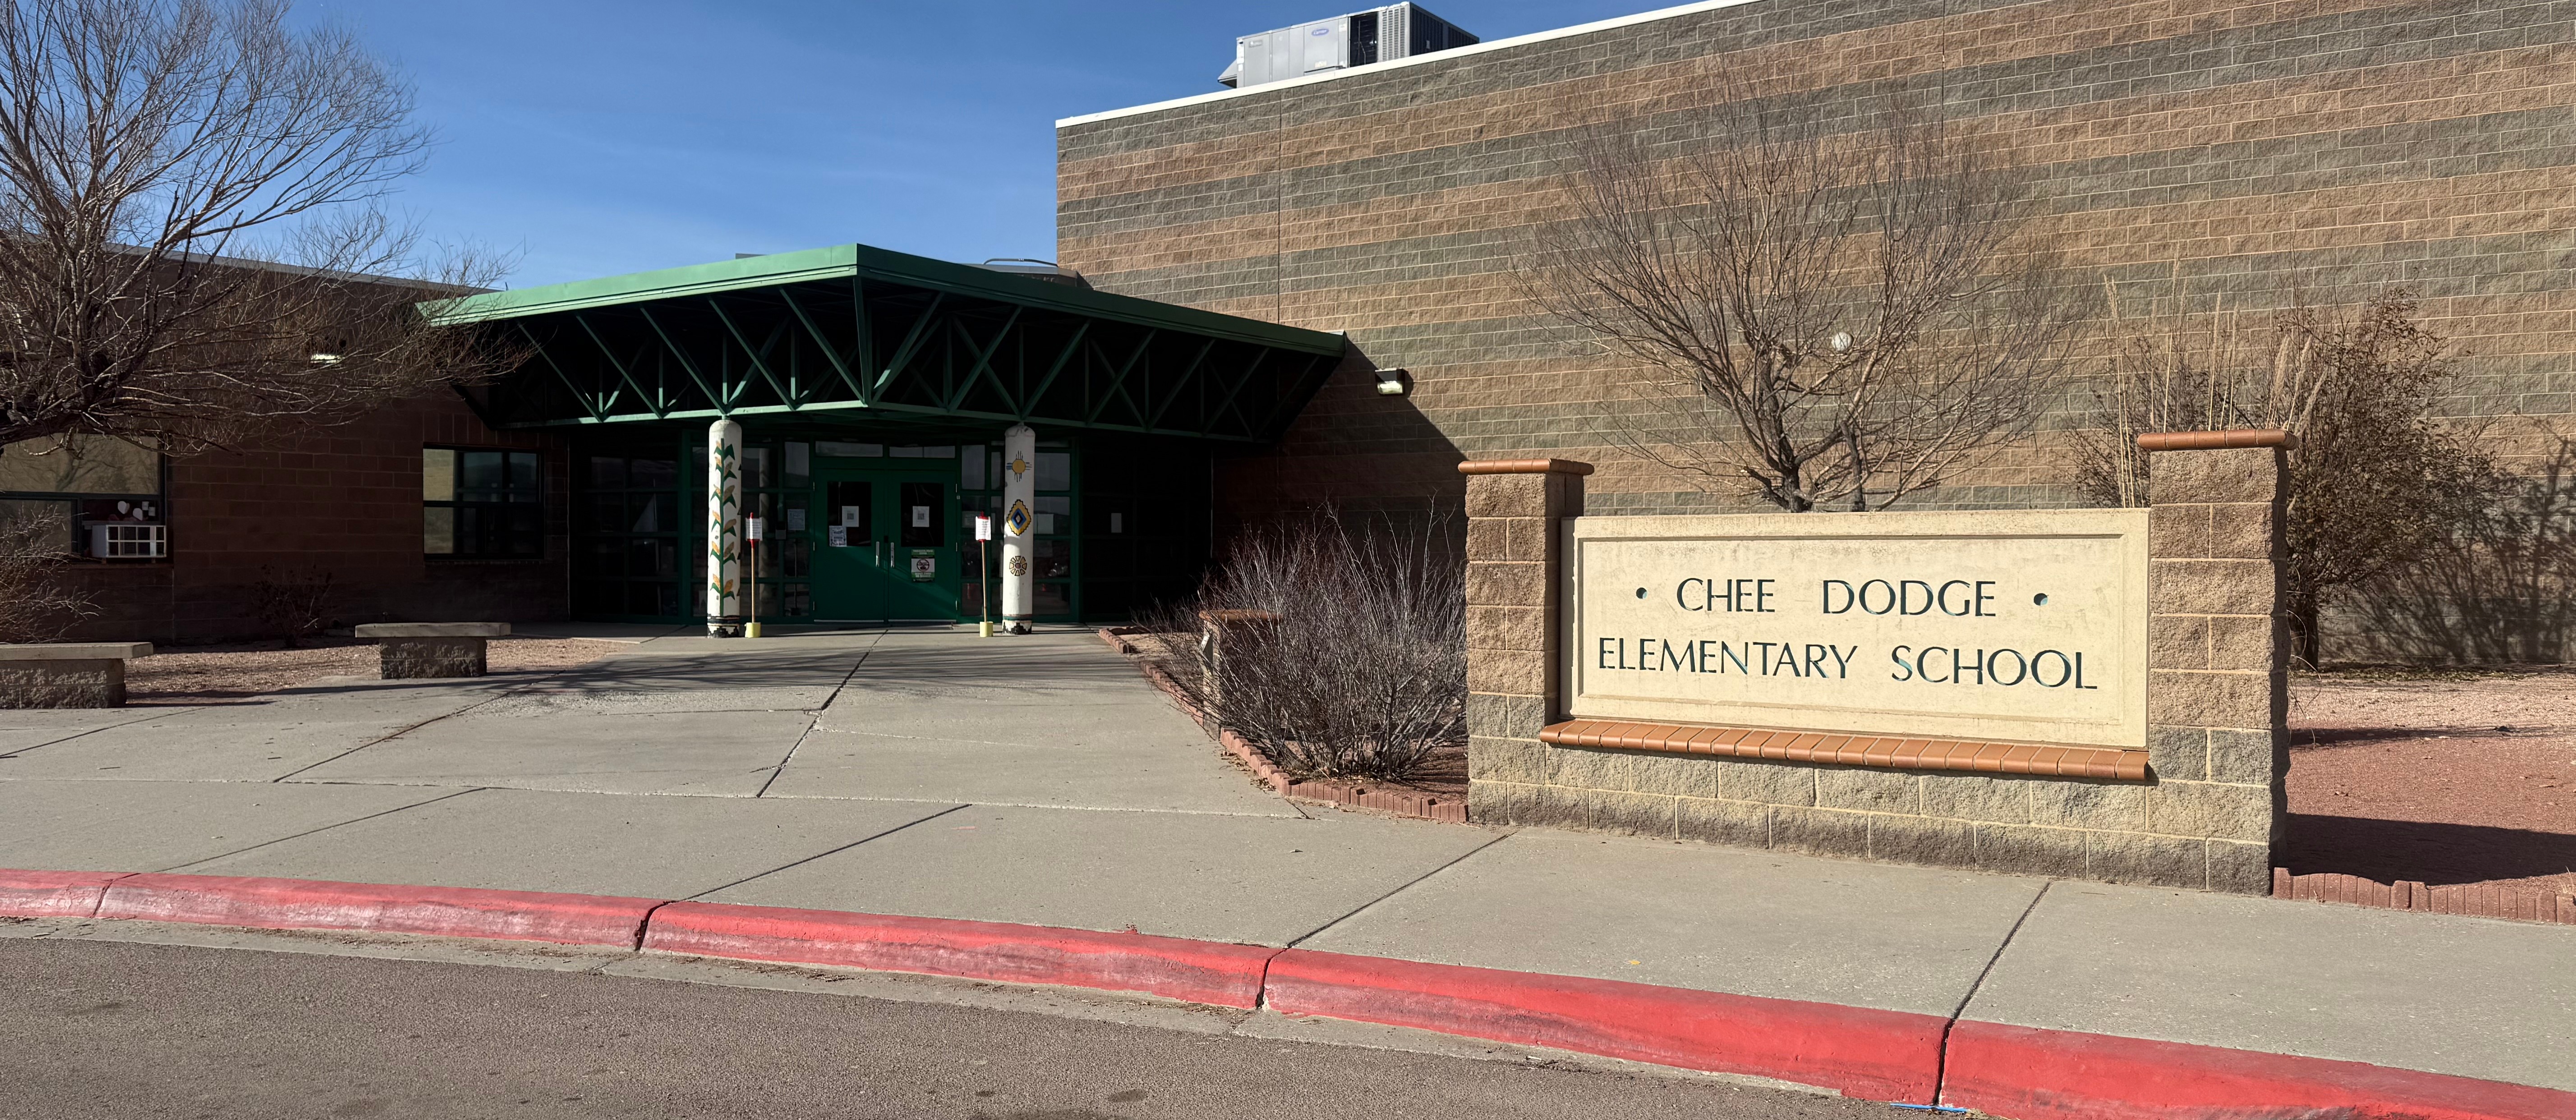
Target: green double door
[885, 543]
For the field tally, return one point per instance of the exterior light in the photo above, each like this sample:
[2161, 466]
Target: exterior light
[1841, 341]
[326, 359]
[1391, 382]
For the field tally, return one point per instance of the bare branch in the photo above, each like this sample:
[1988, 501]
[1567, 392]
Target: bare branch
[1827, 316]
[191, 250]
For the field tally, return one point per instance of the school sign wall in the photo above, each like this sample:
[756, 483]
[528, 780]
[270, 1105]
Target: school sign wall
[2016, 626]
[2088, 693]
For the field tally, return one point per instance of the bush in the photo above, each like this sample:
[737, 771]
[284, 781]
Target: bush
[2500, 589]
[35, 606]
[292, 605]
[1365, 672]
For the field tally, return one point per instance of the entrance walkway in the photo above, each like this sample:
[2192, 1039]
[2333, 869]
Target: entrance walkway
[1037, 780]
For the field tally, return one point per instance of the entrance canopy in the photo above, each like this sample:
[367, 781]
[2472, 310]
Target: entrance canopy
[858, 333]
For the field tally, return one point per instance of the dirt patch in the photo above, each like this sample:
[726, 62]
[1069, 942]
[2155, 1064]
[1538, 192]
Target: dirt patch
[232, 673]
[2438, 777]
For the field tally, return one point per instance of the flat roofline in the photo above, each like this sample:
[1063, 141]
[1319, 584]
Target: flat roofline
[1415, 60]
[869, 262]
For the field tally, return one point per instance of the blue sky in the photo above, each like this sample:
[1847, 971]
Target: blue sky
[594, 138]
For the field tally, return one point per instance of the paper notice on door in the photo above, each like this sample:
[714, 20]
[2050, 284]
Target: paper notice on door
[921, 517]
[840, 537]
[850, 515]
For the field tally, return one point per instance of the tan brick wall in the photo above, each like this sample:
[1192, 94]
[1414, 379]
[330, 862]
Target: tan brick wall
[2197, 153]
[2207, 815]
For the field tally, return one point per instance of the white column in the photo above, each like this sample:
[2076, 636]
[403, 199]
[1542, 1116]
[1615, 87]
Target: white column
[724, 529]
[1019, 527]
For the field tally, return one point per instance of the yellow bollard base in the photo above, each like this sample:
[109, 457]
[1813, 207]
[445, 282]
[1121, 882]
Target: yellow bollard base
[751, 630]
[984, 629]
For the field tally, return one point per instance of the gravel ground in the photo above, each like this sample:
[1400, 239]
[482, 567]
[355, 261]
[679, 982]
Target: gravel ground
[225, 674]
[2436, 777]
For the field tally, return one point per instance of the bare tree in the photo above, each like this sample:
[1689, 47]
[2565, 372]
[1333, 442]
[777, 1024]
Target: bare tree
[192, 249]
[1833, 316]
[2380, 478]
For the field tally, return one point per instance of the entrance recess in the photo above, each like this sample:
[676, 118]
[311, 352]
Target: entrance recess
[885, 542]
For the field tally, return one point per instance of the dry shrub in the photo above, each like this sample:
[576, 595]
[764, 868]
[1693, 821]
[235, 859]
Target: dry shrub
[2381, 480]
[2500, 589]
[292, 605]
[35, 603]
[1365, 674]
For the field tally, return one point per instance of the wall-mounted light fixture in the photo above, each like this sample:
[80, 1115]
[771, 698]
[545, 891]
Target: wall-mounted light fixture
[1393, 382]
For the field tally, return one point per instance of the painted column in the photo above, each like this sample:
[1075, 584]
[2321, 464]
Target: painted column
[724, 529]
[1019, 527]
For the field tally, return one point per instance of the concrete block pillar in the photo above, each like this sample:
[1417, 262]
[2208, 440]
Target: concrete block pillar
[724, 529]
[1514, 591]
[2218, 647]
[1019, 528]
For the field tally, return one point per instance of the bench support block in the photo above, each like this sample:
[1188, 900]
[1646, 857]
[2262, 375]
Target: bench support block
[410, 658]
[83, 683]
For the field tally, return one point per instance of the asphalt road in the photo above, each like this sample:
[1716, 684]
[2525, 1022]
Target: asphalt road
[109, 1029]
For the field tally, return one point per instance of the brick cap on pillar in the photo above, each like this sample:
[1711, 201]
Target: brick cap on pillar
[1524, 466]
[2216, 441]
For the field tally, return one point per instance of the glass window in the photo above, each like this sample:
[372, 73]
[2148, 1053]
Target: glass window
[79, 464]
[478, 503]
[1055, 470]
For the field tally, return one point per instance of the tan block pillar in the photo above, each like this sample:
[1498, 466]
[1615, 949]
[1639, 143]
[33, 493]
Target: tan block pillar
[2218, 648]
[1514, 591]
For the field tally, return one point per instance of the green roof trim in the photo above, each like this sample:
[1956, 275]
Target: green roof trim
[869, 263]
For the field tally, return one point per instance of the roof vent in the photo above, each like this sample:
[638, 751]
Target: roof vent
[1358, 39]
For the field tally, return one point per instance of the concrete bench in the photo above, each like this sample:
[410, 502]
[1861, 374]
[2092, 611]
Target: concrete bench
[408, 650]
[66, 674]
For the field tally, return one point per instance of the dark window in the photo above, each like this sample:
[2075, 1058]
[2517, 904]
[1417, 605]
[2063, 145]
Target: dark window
[479, 503]
[925, 525]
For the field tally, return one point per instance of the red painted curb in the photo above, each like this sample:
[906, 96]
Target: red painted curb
[2031, 1074]
[1881, 1055]
[54, 894]
[1198, 971]
[570, 919]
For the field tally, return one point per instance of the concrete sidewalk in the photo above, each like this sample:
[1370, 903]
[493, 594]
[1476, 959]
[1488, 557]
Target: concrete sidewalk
[1038, 780]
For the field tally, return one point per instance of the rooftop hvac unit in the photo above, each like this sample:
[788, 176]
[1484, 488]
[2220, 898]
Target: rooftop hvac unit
[1357, 39]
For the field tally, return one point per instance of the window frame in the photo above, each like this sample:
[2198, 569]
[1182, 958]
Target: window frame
[536, 533]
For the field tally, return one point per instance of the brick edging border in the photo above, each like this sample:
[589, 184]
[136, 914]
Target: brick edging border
[2474, 900]
[1905, 1057]
[1422, 806]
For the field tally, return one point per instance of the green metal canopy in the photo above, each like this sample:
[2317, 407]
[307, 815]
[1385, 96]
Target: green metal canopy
[853, 330]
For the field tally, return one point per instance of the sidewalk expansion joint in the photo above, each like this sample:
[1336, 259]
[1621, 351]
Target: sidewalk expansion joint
[816, 720]
[174, 868]
[1941, 1055]
[500, 695]
[1406, 886]
[821, 854]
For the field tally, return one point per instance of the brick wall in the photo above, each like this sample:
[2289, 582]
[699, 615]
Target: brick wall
[343, 500]
[2203, 152]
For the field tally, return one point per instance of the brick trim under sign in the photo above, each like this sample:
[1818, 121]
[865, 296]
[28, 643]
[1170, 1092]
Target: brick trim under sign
[1894, 752]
